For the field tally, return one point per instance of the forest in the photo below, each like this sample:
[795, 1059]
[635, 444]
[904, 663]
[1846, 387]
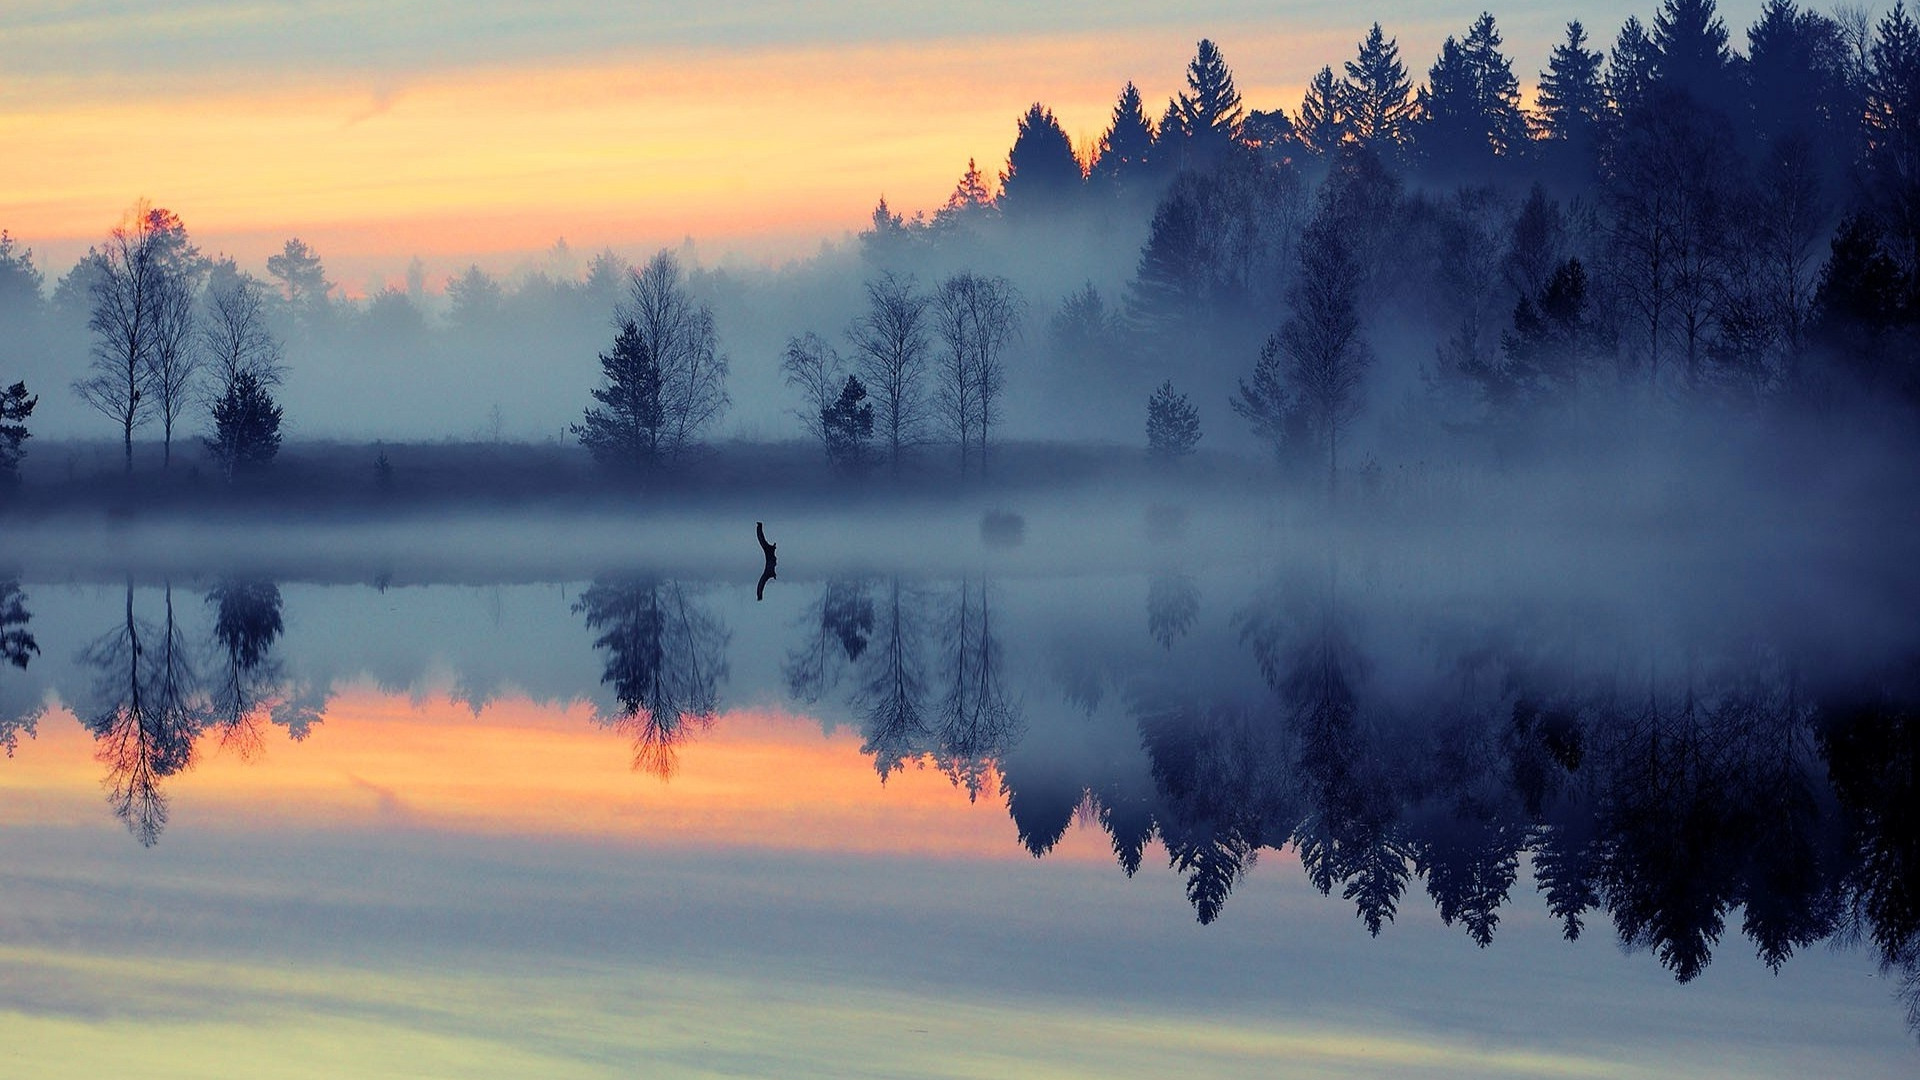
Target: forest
[1669, 238]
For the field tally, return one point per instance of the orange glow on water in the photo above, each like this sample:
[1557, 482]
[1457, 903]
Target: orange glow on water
[752, 779]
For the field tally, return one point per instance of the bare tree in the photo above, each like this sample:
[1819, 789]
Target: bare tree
[234, 335]
[976, 318]
[890, 345]
[127, 292]
[678, 333]
[174, 360]
[814, 367]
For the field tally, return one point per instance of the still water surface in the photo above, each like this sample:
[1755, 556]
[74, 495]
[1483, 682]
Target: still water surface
[1200, 812]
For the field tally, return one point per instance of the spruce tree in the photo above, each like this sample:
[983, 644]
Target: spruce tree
[1572, 101]
[1042, 171]
[1379, 94]
[1210, 115]
[1125, 151]
[1173, 424]
[847, 426]
[1323, 123]
[246, 426]
[1692, 44]
[1630, 68]
[625, 435]
[1496, 91]
[15, 406]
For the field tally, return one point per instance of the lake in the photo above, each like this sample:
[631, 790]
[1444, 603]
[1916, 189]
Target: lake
[1084, 787]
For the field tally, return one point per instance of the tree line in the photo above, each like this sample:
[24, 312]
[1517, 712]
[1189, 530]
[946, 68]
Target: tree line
[1671, 220]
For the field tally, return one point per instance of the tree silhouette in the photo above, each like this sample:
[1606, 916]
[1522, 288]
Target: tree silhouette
[1208, 112]
[680, 343]
[626, 434]
[1324, 123]
[246, 427]
[976, 318]
[303, 282]
[147, 711]
[840, 625]
[1469, 111]
[16, 406]
[132, 280]
[17, 646]
[665, 658]
[1173, 603]
[847, 427]
[891, 696]
[1316, 363]
[1123, 158]
[1043, 174]
[890, 349]
[1379, 96]
[249, 682]
[1572, 101]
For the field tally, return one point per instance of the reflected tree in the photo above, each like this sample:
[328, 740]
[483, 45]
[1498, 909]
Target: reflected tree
[17, 646]
[1173, 603]
[145, 715]
[891, 698]
[977, 722]
[665, 659]
[840, 624]
[249, 683]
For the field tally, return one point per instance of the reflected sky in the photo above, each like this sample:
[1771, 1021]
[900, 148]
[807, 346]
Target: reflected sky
[460, 847]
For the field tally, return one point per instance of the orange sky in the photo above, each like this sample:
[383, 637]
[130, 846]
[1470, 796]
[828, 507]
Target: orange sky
[759, 132]
[755, 780]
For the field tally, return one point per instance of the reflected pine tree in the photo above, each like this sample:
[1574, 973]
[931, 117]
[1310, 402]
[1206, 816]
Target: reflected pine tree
[1173, 603]
[665, 658]
[17, 645]
[17, 649]
[840, 623]
[248, 682]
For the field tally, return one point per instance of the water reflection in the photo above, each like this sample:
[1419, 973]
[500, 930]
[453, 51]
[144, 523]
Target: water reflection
[145, 712]
[17, 649]
[665, 658]
[1696, 787]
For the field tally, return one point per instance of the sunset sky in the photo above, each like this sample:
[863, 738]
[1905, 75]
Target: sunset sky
[486, 130]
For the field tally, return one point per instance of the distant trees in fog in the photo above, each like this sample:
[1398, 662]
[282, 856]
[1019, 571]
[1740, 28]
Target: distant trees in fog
[1678, 217]
[163, 317]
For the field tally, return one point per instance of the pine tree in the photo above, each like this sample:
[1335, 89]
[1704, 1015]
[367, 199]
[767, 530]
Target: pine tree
[246, 426]
[1210, 116]
[1893, 117]
[1173, 424]
[1630, 69]
[1497, 92]
[15, 407]
[1042, 172]
[1323, 123]
[1125, 151]
[626, 434]
[1572, 101]
[847, 426]
[1797, 77]
[1691, 41]
[1379, 94]
[971, 193]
